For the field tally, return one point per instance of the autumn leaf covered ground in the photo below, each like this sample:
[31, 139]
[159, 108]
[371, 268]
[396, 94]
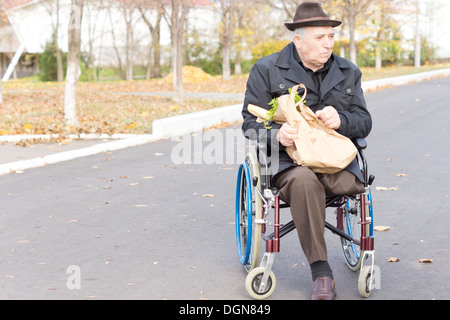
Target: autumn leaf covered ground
[34, 107]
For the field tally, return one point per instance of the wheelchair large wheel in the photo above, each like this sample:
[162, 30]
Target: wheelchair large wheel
[248, 213]
[351, 218]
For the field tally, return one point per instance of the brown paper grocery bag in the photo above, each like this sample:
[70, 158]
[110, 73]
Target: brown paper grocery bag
[320, 148]
[317, 147]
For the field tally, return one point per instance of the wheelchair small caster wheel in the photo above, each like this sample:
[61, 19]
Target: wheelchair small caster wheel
[365, 281]
[253, 284]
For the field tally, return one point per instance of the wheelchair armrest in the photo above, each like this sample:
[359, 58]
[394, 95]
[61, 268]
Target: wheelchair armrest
[360, 143]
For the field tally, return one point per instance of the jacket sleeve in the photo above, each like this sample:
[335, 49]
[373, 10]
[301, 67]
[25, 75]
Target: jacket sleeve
[258, 93]
[356, 121]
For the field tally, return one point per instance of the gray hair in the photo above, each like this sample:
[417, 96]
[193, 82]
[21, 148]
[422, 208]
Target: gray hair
[300, 31]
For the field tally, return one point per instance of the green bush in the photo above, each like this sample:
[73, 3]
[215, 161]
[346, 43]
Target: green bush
[266, 48]
[48, 65]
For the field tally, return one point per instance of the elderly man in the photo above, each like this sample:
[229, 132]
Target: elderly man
[334, 93]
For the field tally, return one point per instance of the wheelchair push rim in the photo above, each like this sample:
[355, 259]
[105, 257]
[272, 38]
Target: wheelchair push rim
[248, 211]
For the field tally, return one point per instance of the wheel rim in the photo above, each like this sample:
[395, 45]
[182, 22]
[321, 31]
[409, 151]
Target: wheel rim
[257, 282]
[352, 252]
[248, 212]
[243, 218]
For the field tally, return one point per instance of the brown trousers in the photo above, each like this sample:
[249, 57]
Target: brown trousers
[306, 192]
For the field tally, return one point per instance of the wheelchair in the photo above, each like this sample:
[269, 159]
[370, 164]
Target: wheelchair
[257, 202]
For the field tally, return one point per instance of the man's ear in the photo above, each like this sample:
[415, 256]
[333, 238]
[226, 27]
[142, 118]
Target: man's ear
[297, 41]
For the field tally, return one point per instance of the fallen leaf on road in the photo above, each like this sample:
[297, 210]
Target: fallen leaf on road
[401, 175]
[386, 188]
[141, 205]
[72, 221]
[381, 228]
[426, 260]
[226, 168]
[393, 259]
[208, 195]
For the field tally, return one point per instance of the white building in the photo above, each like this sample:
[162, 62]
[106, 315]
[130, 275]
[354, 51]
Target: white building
[31, 24]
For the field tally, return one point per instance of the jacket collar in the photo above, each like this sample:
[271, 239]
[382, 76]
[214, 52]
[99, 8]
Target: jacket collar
[295, 73]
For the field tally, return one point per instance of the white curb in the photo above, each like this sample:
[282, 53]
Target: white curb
[19, 166]
[82, 136]
[193, 122]
[402, 80]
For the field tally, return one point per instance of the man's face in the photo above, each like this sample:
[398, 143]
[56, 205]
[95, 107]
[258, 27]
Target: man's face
[316, 47]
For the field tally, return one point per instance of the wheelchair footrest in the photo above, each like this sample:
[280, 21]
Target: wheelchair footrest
[284, 230]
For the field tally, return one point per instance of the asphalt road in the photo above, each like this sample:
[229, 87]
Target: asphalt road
[138, 224]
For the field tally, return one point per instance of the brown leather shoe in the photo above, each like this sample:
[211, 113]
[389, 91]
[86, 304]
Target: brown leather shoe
[323, 289]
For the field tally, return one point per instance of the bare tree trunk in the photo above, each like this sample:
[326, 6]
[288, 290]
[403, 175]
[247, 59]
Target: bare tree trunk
[176, 21]
[1, 91]
[352, 28]
[128, 9]
[155, 31]
[59, 62]
[227, 36]
[179, 63]
[418, 45]
[116, 50]
[237, 63]
[353, 8]
[73, 63]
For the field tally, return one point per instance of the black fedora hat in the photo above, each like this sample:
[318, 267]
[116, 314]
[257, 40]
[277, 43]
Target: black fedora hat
[311, 14]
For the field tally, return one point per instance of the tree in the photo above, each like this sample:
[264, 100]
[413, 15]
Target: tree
[228, 20]
[418, 44]
[176, 20]
[128, 7]
[73, 62]
[59, 59]
[352, 9]
[1, 90]
[91, 25]
[154, 26]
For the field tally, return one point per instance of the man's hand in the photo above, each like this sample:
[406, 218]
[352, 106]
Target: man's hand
[329, 117]
[286, 135]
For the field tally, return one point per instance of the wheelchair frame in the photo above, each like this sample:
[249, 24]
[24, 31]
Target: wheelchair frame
[255, 198]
